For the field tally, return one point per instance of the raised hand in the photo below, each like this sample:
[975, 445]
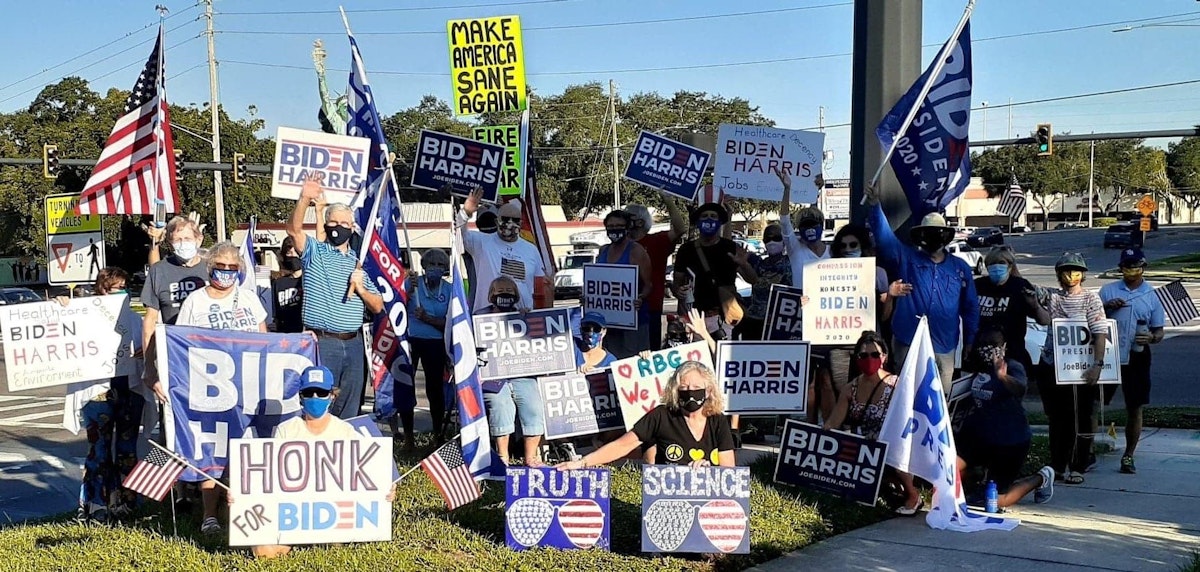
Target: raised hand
[472, 203]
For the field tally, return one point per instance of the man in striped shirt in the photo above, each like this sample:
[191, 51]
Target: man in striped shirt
[331, 271]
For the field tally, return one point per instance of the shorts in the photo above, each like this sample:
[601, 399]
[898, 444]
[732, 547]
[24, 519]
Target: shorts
[1002, 462]
[517, 398]
[1135, 381]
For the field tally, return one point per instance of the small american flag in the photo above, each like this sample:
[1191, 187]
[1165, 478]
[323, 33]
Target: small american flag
[1176, 302]
[155, 474]
[451, 475]
[1013, 201]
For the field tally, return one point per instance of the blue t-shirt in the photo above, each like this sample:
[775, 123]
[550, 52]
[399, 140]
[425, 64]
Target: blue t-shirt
[1141, 303]
[434, 300]
[606, 361]
[998, 417]
[326, 278]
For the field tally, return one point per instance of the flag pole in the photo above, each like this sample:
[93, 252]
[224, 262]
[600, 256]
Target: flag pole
[190, 466]
[933, 75]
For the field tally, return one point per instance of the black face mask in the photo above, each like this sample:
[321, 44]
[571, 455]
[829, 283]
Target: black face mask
[337, 234]
[504, 301]
[615, 236]
[675, 340]
[691, 400]
[292, 263]
[930, 241]
[486, 223]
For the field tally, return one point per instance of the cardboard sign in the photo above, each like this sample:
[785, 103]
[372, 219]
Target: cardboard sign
[763, 377]
[704, 510]
[668, 165]
[464, 164]
[846, 465]
[562, 509]
[61, 217]
[338, 161]
[576, 404]
[784, 315]
[487, 65]
[46, 344]
[525, 345]
[509, 137]
[1073, 353]
[747, 154]
[640, 382]
[841, 297]
[289, 491]
[74, 258]
[612, 290]
[367, 427]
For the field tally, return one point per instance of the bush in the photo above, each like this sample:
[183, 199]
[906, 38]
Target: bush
[1104, 222]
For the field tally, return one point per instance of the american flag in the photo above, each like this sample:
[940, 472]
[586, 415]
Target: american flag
[449, 472]
[724, 523]
[1012, 203]
[710, 194]
[582, 520]
[1176, 302]
[154, 475]
[136, 169]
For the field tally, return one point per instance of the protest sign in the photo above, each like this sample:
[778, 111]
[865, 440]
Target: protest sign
[841, 300]
[339, 162]
[704, 510]
[561, 509]
[47, 344]
[368, 427]
[292, 491]
[576, 404]
[784, 315]
[847, 465]
[224, 385]
[668, 165]
[462, 163]
[1074, 355]
[747, 155]
[640, 382]
[487, 67]
[525, 345]
[509, 137]
[612, 290]
[763, 377]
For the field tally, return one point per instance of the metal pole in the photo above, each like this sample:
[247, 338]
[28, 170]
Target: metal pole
[1091, 181]
[984, 105]
[821, 119]
[1010, 118]
[214, 104]
[612, 110]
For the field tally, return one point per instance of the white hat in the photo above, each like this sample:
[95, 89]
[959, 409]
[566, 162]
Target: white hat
[511, 209]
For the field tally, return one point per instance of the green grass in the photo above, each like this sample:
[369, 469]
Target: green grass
[1193, 566]
[1163, 417]
[427, 537]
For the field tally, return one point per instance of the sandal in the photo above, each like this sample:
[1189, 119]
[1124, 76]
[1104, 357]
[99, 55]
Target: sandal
[1073, 478]
[903, 510]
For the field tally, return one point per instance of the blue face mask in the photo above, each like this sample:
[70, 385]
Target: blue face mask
[997, 272]
[709, 227]
[315, 407]
[811, 233]
[223, 278]
[435, 273]
[592, 340]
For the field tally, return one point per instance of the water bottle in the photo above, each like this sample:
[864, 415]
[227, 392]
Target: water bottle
[1142, 328]
[993, 498]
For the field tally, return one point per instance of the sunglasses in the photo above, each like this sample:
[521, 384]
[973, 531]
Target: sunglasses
[865, 355]
[850, 244]
[510, 219]
[314, 393]
[219, 266]
[591, 329]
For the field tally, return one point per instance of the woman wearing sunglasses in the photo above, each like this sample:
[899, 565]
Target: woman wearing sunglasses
[589, 349]
[428, 301]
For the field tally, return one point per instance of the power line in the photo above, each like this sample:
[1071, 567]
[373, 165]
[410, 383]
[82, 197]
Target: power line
[378, 10]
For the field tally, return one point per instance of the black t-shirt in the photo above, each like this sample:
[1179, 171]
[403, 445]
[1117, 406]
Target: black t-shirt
[287, 293]
[168, 284]
[724, 271]
[668, 431]
[1004, 307]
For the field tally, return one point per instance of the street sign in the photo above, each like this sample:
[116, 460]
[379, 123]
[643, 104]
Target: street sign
[74, 258]
[1145, 226]
[61, 217]
[1147, 205]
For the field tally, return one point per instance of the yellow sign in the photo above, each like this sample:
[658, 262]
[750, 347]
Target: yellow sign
[508, 136]
[1145, 224]
[1147, 205]
[487, 67]
[61, 217]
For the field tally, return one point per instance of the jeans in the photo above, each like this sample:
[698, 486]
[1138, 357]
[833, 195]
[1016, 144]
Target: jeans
[1071, 410]
[518, 397]
[431, 353]
[348, 361]
[945, 363]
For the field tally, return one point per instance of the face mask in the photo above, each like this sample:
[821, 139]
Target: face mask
[869, 365]
[223, 279]
[709, 227]
[185, 250]
[989, 354]
[852, 253]
[292, 263]
[615, 236]
[337, 234]
[509, 230]
[676, 340]
[811, 234]
[691, 400]
[434, 274]
[930, 242]
[774, 248]
[998, 273]
[121, 291]
[1132, 274]
[1070, 278]
[504, 301]
[315, 407]
[591, 340]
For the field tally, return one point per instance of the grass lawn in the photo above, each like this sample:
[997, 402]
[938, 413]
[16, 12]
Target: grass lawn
[426, 537]
[1189, 263]
[1164, 417]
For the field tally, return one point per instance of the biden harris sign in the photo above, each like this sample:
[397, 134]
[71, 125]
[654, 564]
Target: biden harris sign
[339, 162]
[673, 167]
[763, 377]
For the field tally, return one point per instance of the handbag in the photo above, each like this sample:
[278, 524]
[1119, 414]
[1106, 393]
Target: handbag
[731, 306]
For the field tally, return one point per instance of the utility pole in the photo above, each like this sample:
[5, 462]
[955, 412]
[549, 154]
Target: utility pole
[1091, 182]
[821, 119]
[214, 104]
[1010, 117]
[612, 112]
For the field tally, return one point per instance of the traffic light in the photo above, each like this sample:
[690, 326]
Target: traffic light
[1045, 139]
[239, 168]
[50, 161]
[179, 164]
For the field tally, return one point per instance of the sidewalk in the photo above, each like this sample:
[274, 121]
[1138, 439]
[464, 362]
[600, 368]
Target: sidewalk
[1147, 521]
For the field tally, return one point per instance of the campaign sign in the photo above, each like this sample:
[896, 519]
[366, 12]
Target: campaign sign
[1074, 355]
[843, 464]
[576, 404]
[561, 509]
[704, 510]
[464, 164]
[763, 377]
[841, 297]
[525, 345]
[300, 491]
[673, 167]
[784, 315]
[338, 161]
[509, 137]
[487, 65]
[367, 427]
[640, 382]
[47, 344]
[224, 385]
[748, 155]
[612, 290]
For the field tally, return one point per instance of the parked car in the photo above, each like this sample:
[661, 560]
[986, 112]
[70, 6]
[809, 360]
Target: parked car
[1122, 236]
[972, 257]
[1067, 225]
[986, 236]
[1019, 229]
[962, 232]
[568, 281]
[10, 296]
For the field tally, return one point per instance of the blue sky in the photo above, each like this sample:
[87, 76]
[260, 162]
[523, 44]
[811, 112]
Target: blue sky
[1021, 69]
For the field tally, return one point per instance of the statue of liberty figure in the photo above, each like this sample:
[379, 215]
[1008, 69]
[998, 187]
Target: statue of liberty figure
[334, 112]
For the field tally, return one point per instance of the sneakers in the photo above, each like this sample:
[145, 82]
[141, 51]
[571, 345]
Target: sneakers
[1127, 466]
[1045, 492]
[210, 525]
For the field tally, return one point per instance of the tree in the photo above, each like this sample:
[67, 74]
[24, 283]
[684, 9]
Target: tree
[1183, 172]
[1125, 166]
[1045, 180]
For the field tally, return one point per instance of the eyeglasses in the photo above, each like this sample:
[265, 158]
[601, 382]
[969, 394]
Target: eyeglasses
[220, 266]
[865, 355]
[614, 228]
[510, 219]
[639, 223]
[314, 393]
[850, 244]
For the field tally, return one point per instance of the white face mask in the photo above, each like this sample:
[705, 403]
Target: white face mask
[185, 249]
[852, 253]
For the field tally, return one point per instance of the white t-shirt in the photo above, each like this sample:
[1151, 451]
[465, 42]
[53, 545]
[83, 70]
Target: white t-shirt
[240, 310]
[799, 254]
[493, 256]
[296, 428]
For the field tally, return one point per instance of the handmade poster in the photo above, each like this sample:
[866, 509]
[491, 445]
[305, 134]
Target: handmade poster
[525, 345]
[509, 137]
[747, 156]
[668, 165]
[703, 510]
[1074, 355]
[612, 290]
[367, 427]
[300, 491]
[841, 300]
[577, 404]
[464, 164]
[338, 161]
[560, 509]
[763, 378]
[843, 464]
[487, 68]
[640, 382]
[785, 316]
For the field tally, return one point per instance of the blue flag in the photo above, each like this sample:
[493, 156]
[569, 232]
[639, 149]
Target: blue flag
[364, 122]
[475, 435]
[932, 161]
[391, 371]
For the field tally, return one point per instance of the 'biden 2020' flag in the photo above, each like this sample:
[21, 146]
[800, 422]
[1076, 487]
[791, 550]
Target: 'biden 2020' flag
[920, 441]
[931, 160]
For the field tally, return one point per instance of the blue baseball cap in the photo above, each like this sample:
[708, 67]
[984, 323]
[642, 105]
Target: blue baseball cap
[316, 377]
[1132, 257]
[594, 318]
